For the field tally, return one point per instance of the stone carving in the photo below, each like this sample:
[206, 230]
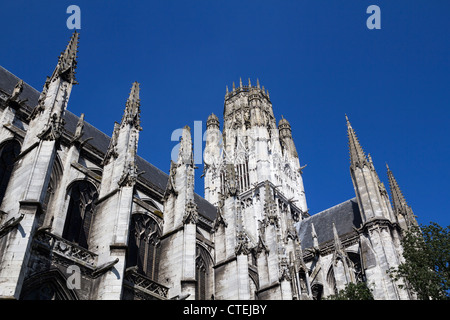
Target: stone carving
[142, 284]
[191, 213]
[54, 129]
[242, 243]
[66, 248]
[112, 148]
[10, 224]
[284, 270]
[40, 105]
[18, 88]
[220, 220]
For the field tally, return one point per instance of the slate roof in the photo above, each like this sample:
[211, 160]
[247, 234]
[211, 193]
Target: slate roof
[154, 176]
[345, 216]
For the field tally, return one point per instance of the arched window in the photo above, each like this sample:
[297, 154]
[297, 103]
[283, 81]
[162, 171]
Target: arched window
[143, 245]
[202, 263]
[317, 291]
[83, 195]
[332, 281]
[8, 153]
[200, 275]
[47, 285]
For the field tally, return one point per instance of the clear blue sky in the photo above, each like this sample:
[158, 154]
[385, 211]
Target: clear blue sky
[317, 58]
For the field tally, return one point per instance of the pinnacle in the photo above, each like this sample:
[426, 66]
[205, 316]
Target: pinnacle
[241, 87]
[397, 195]
[398, 200]
[67, 61]
[132, 107]
[185, 154]
[134, 93]
[357, 155]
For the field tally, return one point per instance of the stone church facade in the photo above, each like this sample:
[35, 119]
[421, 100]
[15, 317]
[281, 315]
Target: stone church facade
[82, 216]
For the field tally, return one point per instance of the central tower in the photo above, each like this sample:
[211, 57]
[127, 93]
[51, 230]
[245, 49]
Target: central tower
[253, 176]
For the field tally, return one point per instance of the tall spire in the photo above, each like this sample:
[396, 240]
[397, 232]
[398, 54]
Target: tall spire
[399, 201]
[132, 108]
[67, 62]
[357, 156]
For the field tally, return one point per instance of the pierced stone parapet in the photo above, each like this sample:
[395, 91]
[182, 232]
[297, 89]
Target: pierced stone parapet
[144, 287]
[67, 249]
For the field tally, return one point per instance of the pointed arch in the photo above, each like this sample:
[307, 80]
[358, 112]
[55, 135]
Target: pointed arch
[83, 195]
[203, 263]
[9, 151]
[47, 285]
[317, 291]
[331, 280]
[144, 245]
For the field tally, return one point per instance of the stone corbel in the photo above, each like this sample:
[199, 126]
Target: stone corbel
[104, 267]
[10, 224]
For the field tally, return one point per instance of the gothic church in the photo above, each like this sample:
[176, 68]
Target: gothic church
[75, 202]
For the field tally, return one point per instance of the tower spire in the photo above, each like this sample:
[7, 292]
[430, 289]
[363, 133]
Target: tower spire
[401, 208]
[132, 108]
[67, 62]
[357, 155]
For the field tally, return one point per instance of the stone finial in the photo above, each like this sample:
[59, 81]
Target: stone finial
[283, 123]
[79, 128]
[357, 155]
[132, 111]
[18, 88]
[213, 120]
[111, 152]
[68, 60]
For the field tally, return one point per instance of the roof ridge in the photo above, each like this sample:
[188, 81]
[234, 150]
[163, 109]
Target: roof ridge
[335, 206]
